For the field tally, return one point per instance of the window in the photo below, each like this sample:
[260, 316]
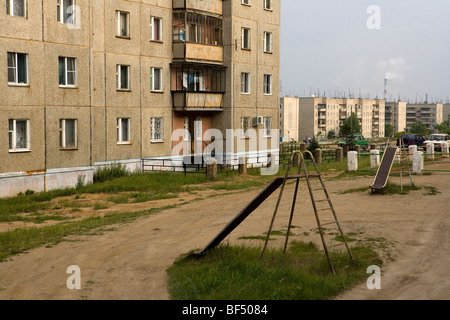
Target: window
[267, 84]
[17, 68]
[268, 4]
[245, 38]
[198, 78]
[16, 8]
[123, 77]
[67, 72]
[123, 24]
[65, 11]
[268, 42]
[186, 129]
[156, 130]
[267, 126]
[156, 29]
[199, 28]
[68, 133]
[156, 79]
[199, 128]
[245, 83]
[246, 2]
[123, 130]
[245, 125]
[19, 135]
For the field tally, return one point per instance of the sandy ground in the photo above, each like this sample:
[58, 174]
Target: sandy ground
[410, 232]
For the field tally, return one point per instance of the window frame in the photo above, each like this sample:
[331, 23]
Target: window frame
[245, 38]
[12, 136]
[10, 8]
[119, 34]
[16, 72]
[267, 130]
[153, 137]
[120, 131]
[152, 79]
[62, 134]
[270, 34]
[66, 72]
[160, 29]
[119, 77]
[61, 15]
[268, 5]
[245, 125]
[245, 83]
[245, 2]
[267, 85]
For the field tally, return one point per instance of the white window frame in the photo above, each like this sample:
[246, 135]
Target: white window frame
[152, 79]
[267, 85]
[267, 129]
[13, 136]
[245, 83]
[16, 70]
[62, 133]
[245, 38]
[186, 129]
[61, 14]
[119, 77]
[154, 133]
[66, 72]
[160, 28]
[245, 2]
[119, 24]
[120, 131]
[268, 5]
[268, 42]
[10, 8]
[198, 129]
[245, 124]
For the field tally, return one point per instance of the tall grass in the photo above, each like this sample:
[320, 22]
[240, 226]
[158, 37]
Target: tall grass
[238, 273]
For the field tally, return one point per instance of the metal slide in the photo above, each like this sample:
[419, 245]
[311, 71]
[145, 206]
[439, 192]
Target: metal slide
[255, 203]
[384, 170]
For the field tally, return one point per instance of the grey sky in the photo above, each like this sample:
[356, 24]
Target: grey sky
[326, 46]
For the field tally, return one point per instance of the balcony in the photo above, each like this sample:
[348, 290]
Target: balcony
[214, 6]
[197, 52]
[197, 87]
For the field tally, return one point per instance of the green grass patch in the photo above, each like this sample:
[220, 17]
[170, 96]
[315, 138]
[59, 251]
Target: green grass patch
[239, 273]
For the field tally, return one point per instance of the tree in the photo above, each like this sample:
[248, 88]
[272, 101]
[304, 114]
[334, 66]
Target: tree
[388, 130]
[419, 128]
[442, 127]
[348, 134]
[353, 123]
[331, 134]
[313, 145]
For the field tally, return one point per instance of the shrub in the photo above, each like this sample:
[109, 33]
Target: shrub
[110, 172]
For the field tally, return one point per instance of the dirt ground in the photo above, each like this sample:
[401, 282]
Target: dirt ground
[410, 232]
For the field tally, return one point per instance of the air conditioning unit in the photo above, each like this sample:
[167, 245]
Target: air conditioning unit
[258, 121]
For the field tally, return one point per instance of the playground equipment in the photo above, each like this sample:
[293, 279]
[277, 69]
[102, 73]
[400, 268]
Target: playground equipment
[281, 182]
[384, 170]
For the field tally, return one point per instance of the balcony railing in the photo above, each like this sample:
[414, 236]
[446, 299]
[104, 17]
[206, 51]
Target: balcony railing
[197, 101]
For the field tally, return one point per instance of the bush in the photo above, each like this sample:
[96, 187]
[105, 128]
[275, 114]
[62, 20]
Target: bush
[110, 172]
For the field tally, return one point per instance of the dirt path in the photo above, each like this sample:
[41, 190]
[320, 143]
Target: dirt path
[411, 233]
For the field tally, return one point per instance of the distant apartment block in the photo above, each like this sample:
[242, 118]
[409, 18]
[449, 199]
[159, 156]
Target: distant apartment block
[429, 114]
[84, 83]
[395, 115]
[446, 112]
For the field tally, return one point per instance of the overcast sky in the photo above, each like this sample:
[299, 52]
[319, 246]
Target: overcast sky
[327, 46]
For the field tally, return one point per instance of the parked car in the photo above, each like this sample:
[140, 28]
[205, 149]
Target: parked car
[357, 140]
[412, 139]
[437, 139]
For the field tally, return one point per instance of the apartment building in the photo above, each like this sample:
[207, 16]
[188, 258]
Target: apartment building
[85, 83]
[427, 113]
[446, 112]
[290, 119]
[319, 116]
[395, 115]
